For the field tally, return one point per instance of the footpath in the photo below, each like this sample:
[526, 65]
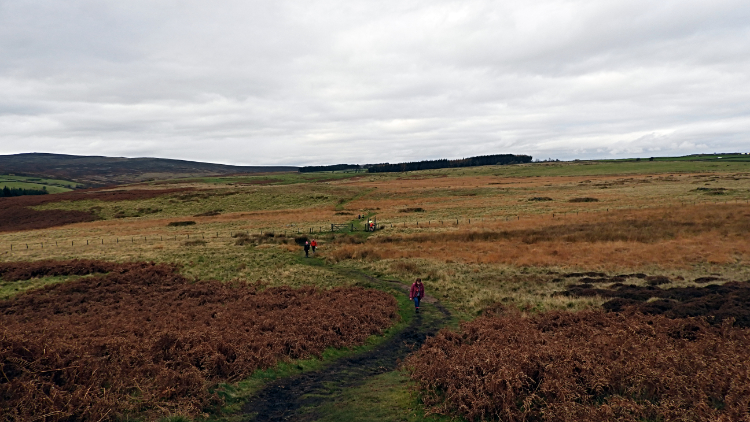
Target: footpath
[296, 398]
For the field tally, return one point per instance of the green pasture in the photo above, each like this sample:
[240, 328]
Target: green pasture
[11, 288]
[26, 182]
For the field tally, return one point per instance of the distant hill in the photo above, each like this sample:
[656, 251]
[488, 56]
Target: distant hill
[95, 171]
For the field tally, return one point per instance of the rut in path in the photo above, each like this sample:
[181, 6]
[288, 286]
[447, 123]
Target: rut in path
[282, 399]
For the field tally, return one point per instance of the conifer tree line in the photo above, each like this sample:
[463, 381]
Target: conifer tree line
[334, 167]
[8, 192]
[482, 160]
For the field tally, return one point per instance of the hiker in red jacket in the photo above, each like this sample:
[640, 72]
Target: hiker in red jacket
[416, 293]
[314, 245]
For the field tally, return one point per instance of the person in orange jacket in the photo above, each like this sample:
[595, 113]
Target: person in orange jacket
[416, 293]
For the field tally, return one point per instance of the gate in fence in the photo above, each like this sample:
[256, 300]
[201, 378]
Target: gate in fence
[342, 227]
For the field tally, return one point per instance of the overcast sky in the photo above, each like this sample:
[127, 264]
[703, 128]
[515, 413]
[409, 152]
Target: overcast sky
[323, 82]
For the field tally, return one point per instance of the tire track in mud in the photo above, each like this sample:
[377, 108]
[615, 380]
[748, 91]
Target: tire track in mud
[285, 399]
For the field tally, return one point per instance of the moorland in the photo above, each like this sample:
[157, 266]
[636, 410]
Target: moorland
[596, 290]
[97, 171]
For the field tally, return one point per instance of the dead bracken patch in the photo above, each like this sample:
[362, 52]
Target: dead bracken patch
[16, 214]
[15, 271]
[143, 340]
[22, 218]
[586, 366]
[412, 209]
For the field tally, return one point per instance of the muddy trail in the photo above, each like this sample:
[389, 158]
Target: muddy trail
[296, 398]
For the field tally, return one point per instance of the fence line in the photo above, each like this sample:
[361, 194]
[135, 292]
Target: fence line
[202, 236]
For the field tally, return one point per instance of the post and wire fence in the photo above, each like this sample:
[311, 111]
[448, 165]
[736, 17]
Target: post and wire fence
[196, 238]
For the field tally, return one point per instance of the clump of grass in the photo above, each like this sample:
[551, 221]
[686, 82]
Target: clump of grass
[353, 252]
[405, 267]
[208, 213]
[412, 209]
[584, 199]
[713, 191]
[197, 242]
[181, 223]
[241, 239]
[540, 199]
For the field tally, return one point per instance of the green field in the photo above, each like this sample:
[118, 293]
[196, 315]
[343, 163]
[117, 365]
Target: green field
[37, 183]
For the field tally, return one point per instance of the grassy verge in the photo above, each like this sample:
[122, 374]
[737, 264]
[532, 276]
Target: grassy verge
[9, 289]
[384, 398]
[24, 182]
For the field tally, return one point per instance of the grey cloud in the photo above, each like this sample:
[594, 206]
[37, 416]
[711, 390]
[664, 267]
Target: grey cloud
[321, 82]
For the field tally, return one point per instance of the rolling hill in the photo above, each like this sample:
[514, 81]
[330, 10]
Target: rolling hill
[94, 171]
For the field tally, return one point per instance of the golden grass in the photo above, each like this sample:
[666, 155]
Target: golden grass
[674, 237]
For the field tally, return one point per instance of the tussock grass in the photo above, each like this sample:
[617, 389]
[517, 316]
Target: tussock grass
[671, 237]
[473, 289]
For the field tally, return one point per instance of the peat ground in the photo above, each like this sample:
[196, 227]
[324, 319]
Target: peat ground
[297, 398]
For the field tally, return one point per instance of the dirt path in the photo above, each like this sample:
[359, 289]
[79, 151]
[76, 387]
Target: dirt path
[290, 399]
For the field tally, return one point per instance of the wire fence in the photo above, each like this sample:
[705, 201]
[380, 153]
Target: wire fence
[204, 237]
